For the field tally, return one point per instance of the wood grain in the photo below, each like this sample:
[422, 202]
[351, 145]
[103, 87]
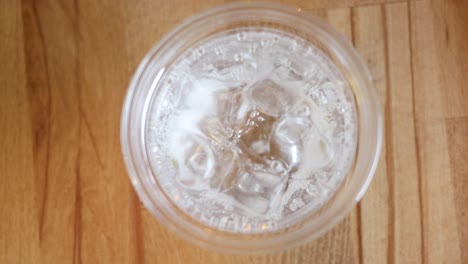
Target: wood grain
[19, 228]
[65, 196]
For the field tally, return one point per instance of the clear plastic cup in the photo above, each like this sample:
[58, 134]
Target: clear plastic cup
[240, 20]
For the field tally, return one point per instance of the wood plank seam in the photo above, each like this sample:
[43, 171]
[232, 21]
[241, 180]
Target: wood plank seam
[416, 140]
[388, 137]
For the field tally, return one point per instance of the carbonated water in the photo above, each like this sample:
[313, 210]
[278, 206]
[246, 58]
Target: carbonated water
[251, 130]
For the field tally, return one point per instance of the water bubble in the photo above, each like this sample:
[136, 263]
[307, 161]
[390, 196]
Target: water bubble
[241, 35]
[200, 51]
[253, 47]
[219, 51]
[238, 57]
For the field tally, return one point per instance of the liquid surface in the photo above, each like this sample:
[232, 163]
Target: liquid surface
[249, 131]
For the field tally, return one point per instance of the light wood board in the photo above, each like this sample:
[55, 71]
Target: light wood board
[64, 193]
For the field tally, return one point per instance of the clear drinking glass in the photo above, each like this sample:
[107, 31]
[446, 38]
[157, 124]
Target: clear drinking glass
[250, 128]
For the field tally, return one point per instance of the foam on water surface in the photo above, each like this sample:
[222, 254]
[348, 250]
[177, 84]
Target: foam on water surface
[251, 130]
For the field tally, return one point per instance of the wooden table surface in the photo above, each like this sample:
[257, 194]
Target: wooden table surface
[64, 193]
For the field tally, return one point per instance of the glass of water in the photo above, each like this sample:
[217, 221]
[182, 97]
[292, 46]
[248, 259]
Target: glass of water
[251, 128]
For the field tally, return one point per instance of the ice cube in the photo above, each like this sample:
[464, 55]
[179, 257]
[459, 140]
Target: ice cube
[246, 182]
[268, 180]
[194, 160]
[292, 130]
[270, 97]
[201, 95]
[288, 139]
[225, 168]
[215, 131]
[318, 151]
[231, 107]
[256, 191]
[198, 161]
[255, 133]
